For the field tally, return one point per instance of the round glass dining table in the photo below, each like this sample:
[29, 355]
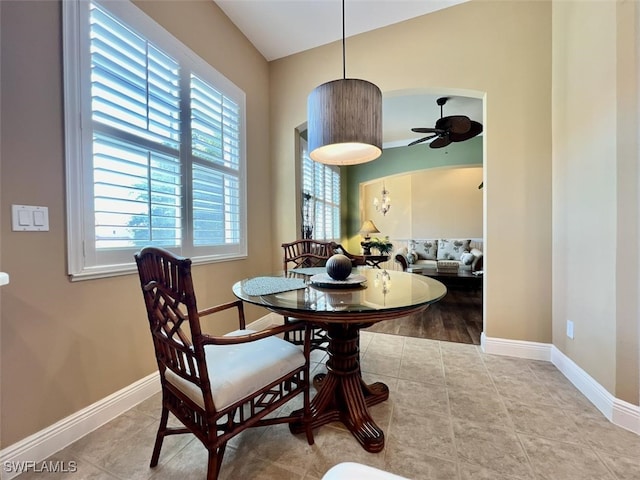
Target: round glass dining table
[368, 296]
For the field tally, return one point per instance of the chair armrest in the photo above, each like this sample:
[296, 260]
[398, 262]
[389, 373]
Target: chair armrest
[226, 306]
[355, 259]
[401, 258]
[477, 262]
[249, 337]
[218, 308]
[252, 337]
[477, 265]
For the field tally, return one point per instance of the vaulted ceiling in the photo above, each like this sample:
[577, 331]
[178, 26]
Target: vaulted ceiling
[278, 28]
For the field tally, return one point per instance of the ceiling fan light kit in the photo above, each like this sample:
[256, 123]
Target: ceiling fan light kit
[454, 128]
[344, 119]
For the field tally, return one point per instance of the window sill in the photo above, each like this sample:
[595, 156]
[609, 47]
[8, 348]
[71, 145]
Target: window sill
[94, 273]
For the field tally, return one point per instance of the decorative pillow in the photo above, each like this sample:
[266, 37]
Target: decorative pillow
[412, 256]
[449, 249]
[426, 249]
[467, 258]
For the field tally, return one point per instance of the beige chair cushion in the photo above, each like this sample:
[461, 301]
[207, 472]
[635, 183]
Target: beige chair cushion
[236, 371]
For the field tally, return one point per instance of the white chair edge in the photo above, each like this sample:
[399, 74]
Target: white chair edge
[357, 471]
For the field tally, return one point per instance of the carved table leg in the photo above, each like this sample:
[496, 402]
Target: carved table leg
[342, 394]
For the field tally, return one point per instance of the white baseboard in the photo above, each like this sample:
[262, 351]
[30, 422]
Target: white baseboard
[619, 412]
[41, 445]
[266, 321]
[515, 348]
[626, 415]
[591, 389]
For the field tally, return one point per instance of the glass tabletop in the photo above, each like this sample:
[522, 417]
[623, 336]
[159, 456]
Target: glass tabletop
[378, 291]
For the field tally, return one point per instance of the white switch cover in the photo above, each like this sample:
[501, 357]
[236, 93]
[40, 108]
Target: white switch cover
[570, 329]
[28, 218]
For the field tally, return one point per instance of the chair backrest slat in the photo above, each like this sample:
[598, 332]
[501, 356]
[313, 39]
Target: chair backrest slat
[170, 300]
[306, 253]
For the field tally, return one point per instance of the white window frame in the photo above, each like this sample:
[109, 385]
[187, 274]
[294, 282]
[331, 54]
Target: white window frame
[320, 199]
[82, 263]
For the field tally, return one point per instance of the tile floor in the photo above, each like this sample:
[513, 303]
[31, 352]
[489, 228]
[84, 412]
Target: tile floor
[454, 413]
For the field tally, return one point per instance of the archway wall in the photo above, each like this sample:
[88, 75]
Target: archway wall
[401, 167]
[426, 204]
[501, 49]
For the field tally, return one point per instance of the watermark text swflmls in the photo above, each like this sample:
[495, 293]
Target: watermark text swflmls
[57, 466]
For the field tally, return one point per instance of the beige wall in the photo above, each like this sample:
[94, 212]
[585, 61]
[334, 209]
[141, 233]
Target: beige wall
[595, 190]
[435, 203]
[67, 345]
[500, 51]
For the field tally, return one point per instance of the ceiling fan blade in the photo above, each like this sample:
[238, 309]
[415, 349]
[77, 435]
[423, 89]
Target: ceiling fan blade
[424, 139]
[425, 130]
[454, 123]
[476, 129]
[440, 142]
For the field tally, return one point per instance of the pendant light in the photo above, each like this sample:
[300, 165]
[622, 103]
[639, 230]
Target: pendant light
[384, 205]
[344, 119]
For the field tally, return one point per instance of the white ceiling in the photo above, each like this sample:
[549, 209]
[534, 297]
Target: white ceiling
[278, 28]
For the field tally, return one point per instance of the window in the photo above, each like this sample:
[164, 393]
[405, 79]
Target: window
[156, 156]
[320, 199]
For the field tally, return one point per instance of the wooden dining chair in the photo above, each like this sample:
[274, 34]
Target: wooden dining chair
[356, 260]
[306, 253]
[216, 386]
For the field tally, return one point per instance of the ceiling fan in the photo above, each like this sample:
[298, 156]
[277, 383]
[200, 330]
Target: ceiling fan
[454, 128]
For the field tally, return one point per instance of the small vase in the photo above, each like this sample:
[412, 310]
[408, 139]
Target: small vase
[339, 267]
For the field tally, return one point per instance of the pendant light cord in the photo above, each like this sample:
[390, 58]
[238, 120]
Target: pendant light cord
[344, 61]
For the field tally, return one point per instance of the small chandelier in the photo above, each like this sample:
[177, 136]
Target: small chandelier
[344, 119]
[383, 279]
[383, 205]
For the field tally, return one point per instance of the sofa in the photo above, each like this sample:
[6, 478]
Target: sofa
[463, 254]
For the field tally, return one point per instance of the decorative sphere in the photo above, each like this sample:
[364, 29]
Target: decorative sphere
[339, 267]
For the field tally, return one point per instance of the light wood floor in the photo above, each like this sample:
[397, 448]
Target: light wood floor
[455, 318]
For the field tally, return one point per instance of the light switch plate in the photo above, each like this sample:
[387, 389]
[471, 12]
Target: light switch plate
[29, 218]
[570, 329]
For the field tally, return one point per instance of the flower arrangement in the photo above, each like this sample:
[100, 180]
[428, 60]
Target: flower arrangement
[384, 246]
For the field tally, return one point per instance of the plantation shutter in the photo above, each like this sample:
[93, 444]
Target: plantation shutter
[135, 98]
[155, 144]
[215, 134]
[322, 182]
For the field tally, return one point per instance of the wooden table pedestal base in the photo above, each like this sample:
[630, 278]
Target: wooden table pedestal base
[342, 394]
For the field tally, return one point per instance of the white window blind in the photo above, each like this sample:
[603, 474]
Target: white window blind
[156, 156]
[215, 137]
[322, 184]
